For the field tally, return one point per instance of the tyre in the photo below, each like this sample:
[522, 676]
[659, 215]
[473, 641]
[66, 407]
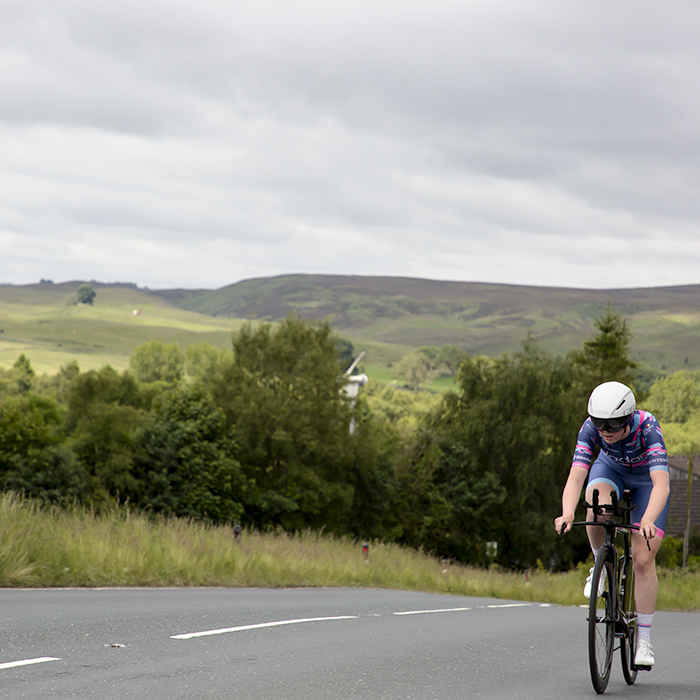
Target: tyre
[601, 622]
[629, 615]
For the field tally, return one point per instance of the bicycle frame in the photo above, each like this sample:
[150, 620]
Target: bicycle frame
[619, 616]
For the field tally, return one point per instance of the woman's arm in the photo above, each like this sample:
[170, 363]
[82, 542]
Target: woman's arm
[657, 502]
[570, 497]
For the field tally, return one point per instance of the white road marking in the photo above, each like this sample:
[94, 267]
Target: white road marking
[424, 612]
[242, 628]
[510, 605]
[28, 662]
[279, 623]
[444, 610]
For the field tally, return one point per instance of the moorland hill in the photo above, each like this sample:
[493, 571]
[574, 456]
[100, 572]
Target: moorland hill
[478, 317]
[387, 316]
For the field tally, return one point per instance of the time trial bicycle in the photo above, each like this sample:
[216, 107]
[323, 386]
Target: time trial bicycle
[611, 610]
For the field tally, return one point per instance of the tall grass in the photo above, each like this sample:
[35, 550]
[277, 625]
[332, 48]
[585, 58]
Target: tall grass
[44, 546]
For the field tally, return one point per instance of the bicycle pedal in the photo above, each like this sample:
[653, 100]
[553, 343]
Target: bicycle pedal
[642, 668]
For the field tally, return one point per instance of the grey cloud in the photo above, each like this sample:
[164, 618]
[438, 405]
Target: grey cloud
[290, 134]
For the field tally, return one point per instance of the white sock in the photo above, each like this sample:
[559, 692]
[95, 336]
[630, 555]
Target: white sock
[595, 553]
[644, 625]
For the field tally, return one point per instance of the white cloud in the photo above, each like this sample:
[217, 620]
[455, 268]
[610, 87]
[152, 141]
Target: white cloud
[194, 144]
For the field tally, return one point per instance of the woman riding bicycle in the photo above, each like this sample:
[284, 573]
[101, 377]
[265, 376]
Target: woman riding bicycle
[632, 456]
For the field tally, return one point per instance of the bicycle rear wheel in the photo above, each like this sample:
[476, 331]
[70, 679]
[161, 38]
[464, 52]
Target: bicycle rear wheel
[629, 615]
[601, 622]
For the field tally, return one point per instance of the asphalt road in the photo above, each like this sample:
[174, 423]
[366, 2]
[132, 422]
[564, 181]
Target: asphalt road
[347, 644]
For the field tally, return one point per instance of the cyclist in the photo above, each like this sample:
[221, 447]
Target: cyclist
[632, 456]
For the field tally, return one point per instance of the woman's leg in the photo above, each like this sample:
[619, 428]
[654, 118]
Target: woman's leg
[596, 535]
[646, 582]
[646, 586]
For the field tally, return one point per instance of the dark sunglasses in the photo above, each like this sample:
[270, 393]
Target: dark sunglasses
[612, 425]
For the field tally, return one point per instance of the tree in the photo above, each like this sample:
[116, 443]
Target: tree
[451, 357]
[372, 476]
[52, 474]
[104, 420]
[516, 418]
[282, 395]
[418, 366]
[86, 294]
[446, 502]
[202, 360]
[346, 353]
[33, 458]
[674, 398]
[403, 410]
[26, 422]
[64, 378]
[187, 465]
[157, 361]
[606, 357]
[23, 374]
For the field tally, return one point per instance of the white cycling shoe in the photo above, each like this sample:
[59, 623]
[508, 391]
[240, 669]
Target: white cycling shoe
[644, 655]
[588, 584]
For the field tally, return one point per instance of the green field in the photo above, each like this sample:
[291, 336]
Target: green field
[386, 317]
[44, 323]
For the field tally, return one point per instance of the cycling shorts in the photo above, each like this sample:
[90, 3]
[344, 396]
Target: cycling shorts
[639, 485]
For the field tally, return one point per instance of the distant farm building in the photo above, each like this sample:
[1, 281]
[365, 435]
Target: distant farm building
[678, 468]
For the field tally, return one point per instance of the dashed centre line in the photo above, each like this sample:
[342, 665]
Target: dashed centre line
[444, 610]
[425, 612]
[28, 662]
[279, 623]
[510, 605]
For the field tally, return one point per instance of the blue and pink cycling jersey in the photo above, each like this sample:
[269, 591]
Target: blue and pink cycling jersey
[628, 463]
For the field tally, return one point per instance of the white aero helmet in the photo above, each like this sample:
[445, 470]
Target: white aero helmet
[611, 404]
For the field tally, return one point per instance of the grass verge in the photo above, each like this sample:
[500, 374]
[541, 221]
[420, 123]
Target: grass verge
[51, 547]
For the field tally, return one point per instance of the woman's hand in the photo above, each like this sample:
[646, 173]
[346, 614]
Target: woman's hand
[563, 523]
[647, 529]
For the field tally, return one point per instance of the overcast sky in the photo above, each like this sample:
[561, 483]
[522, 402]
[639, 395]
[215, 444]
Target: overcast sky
[183, 143]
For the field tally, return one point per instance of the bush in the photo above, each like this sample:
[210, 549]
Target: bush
[670, 554]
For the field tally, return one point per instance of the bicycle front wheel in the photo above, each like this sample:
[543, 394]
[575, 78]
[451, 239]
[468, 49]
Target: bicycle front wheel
[601, 620]
[629, 615]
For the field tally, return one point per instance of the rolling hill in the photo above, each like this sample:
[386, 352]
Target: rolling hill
[387, 316]
[394, 312]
